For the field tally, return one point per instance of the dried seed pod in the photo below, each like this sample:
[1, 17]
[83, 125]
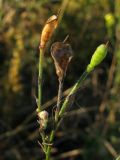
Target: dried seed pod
[43, 119]
[62, 54]
[48, 30]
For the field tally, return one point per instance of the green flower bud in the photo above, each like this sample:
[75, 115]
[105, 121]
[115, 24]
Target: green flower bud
[97, 57]
[109, 19]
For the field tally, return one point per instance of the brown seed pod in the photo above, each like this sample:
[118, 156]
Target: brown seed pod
[48, 30]
[62, 54]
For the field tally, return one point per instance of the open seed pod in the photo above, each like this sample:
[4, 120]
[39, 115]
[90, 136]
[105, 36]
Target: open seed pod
[48, 30]
[62, 54]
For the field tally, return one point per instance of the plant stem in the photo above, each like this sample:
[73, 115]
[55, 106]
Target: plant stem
[59, 99]
[41, 56]
[73, 91]
[52, 134]
[59, 94]
[64, 107]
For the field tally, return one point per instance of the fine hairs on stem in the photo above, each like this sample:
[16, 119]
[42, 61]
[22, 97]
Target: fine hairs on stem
[62, 54]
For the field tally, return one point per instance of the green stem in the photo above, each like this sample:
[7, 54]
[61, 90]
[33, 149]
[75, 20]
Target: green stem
[73, 91]
[41, 56]
[50, 146]
[64, 107]
[52, 134]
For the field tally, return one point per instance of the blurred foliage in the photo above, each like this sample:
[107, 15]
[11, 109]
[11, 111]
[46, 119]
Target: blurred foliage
[89, 23]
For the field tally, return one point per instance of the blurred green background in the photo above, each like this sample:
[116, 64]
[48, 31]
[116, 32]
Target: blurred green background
[91, 129]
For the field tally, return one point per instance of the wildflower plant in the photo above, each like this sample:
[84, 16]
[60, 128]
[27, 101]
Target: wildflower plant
[62, 54]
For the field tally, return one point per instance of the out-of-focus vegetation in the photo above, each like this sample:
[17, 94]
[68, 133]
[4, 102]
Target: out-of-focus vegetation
[92, 126]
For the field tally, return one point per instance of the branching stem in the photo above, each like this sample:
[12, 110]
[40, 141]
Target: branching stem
[73, 90]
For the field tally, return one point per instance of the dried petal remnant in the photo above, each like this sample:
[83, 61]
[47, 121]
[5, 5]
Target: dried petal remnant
[62, 54]
[48, 30]
[43, 119]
